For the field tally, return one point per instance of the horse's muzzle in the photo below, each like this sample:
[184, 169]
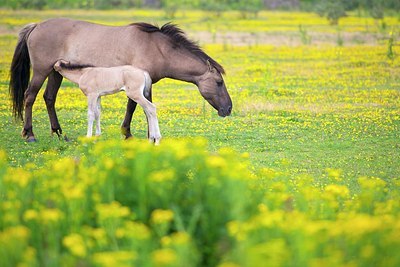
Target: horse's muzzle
[223, 112]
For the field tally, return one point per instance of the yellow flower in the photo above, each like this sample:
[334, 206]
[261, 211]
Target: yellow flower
[75, 244]
[50, 215]
[3, 155]
[73, 192]
[112, 210]
[162, 175]
[12, 233]
[180, 238]
[164, 257]
[114, 258]
[216, 162]
[30, 215]
[228, 264]
[18, 176]
[160, 216]
[337, 190]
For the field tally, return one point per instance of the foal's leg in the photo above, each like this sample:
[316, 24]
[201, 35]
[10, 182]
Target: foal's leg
[149, 108]
[50, 95]
[92, 106]
[130, 109]
[29, 99]
[97, 116]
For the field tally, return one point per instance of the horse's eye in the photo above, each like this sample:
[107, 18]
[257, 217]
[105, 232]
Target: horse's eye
[220, 83]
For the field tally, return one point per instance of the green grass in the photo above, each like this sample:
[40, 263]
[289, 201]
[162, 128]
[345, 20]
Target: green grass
[312, 107]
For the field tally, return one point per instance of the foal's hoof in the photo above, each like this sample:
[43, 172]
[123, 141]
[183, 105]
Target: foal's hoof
[31, 139]
[155, 141]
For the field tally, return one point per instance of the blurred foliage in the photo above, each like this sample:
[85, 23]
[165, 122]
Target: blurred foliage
[375, 7]
[134, 204]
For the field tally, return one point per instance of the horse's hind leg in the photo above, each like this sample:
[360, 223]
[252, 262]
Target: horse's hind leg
[29, 99]
[50, 95]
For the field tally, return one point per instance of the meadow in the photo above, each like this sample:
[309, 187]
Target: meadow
[305, 172]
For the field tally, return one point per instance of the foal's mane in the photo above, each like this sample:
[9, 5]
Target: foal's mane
[179, 37]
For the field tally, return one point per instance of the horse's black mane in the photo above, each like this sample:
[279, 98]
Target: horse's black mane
[179, 37]
[72, 66]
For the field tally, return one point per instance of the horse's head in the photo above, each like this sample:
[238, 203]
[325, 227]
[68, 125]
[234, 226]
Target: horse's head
[212, 87]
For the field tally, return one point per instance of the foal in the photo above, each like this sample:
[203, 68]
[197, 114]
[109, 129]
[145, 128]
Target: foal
[97, 81]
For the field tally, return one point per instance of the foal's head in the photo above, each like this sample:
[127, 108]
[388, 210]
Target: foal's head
[212, 87]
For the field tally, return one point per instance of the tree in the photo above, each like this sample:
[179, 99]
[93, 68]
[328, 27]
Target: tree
[331, 9]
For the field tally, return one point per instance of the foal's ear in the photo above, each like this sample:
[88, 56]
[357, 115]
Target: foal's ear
[210, 67]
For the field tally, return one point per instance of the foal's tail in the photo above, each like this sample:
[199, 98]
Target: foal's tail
[20, 71]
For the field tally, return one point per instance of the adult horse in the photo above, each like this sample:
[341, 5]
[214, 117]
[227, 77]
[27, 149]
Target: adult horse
[163, 52]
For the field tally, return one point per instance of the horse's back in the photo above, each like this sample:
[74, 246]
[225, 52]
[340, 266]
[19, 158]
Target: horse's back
[79, 41]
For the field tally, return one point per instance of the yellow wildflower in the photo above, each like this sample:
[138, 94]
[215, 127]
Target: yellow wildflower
[162, 175]
[228, 264]
[160, 216]
[50, 215]
[337, 190]
[30, 215]
[114, 258]
[75, 244]
[164, 257]
[112, 210]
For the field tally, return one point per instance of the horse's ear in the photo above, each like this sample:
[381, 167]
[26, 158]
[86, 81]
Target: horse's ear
[210, 67]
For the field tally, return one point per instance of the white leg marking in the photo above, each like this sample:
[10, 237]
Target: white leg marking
[92, 99]
[97, 114]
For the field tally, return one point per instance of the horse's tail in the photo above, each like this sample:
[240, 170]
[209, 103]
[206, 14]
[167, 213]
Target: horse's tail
[20, 71]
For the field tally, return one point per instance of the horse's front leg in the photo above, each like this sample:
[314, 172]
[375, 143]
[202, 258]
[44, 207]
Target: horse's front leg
[50, 95]
[126, 124]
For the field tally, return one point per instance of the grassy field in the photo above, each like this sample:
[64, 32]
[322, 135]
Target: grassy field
[315, 127]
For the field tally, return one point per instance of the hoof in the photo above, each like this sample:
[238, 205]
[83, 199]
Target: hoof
[66, 139]
[128, 137]
[31, 139]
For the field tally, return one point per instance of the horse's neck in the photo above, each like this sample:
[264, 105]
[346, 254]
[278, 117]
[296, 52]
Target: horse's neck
[184, 67]
[72, 75]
